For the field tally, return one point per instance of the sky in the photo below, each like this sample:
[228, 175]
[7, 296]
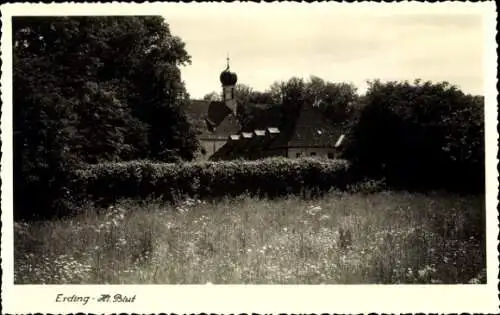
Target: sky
[272, 43]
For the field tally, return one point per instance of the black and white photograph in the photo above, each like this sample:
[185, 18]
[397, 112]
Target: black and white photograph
[248, 144]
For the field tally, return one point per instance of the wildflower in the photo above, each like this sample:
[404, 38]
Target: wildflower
[313, 210]
[182, 210]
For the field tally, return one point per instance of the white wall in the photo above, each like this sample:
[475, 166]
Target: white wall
[306, 152]
[211, 146]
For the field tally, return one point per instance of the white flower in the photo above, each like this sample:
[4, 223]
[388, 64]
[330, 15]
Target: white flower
[313, 210]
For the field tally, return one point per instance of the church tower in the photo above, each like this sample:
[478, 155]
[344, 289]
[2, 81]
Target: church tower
[228, 80]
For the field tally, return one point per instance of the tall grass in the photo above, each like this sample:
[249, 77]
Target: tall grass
[343, 238]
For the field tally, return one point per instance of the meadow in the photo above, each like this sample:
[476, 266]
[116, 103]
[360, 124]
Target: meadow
[382, 237]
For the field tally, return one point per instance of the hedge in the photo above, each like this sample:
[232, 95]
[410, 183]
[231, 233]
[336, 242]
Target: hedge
[109, 182]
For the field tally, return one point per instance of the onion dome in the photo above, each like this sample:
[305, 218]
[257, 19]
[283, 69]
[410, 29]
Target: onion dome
[227, 77]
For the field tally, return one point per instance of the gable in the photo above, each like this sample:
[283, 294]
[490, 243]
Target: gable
[229, 126]
[197, 111]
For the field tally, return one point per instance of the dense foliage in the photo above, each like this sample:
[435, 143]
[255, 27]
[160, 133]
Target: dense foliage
[90, 90]
[103, 90]
[420, 136]
[108, 182]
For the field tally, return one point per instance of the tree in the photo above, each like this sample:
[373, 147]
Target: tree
[213, 96]
[243, 94]
[93, 89]
[335, 100]
[420, 135]
[99, 106]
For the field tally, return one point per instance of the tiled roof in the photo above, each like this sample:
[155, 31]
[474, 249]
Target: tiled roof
[310, 129]
[247, 144]
[229, 126]
[197, 110]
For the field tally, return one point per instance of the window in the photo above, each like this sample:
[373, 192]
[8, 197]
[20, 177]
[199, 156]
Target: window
[330, 155]
[298, 155]
[313, 153]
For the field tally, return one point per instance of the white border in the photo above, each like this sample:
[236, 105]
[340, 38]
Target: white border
[263, 298]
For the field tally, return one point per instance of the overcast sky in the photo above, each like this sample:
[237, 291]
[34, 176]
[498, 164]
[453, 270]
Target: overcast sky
[269, 43]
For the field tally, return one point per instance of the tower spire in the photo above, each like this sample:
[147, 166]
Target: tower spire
[227, 59]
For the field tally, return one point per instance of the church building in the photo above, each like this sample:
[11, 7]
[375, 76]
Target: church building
[222, 138]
